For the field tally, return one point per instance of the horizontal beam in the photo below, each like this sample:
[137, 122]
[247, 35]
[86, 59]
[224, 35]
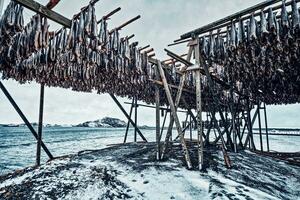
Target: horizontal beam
[228, 18]
[161, 108]
[44, 11]
[172, 86]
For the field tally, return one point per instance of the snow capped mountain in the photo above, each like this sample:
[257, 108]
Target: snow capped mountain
[105, 122]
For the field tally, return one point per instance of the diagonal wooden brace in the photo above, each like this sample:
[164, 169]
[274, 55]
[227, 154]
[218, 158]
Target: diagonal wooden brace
[175, 116]
[21, 114]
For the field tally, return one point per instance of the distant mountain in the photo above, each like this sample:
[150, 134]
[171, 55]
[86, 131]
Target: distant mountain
[106, 122]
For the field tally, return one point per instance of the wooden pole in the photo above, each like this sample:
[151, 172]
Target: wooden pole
[191, 129]
[40, 127]
[259, 127]
[128, 123]
[135, 119]
[266, 124]
[157, 103]
[199, 108]
[21, 114]
[199, 119]
[174, 114]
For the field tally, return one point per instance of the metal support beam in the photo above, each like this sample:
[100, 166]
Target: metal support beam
[127, 116]
[14, 104]
[40, 127]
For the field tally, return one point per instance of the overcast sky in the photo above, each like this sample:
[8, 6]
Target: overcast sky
[161, 23]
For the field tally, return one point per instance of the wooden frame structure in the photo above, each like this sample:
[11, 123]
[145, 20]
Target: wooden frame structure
[230, 136]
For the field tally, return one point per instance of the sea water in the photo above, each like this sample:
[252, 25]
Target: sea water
[18, 146]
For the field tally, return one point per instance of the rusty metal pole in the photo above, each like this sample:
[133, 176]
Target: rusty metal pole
[40, 126]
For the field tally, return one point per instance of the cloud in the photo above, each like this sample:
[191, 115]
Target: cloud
[160, 24]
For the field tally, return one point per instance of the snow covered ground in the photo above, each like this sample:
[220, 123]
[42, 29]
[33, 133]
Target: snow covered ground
[130, 171]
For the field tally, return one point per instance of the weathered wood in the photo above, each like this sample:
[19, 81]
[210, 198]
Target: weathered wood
[44, 11]
[21, 114]
[266, 124]
[125, 24]
[177, 101]
[157, 104]
[199, 119]
[199, 108]
[230, 18]
[259, 128]
[107, 16]
[174, 114]
[135, 119]
[40, 126]
[172, 86]
[127, 116]
[172, 120]
[128, 123]
[161, 108]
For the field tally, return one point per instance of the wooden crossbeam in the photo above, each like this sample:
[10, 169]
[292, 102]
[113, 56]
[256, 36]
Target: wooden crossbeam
[208, 27]
[44, 11]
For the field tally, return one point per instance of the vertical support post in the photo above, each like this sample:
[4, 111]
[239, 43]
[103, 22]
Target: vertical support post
[199, 119]
[40, 127]
[191, 128]
[128, 123]
[251, 141]
[21, 114]
[266, 124]
[157, 103]
[199, 109]
[135, 119]
[259, 127]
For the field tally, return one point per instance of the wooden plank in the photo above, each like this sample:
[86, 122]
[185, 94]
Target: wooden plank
[199, 111]
[174, 114]
[44, 11]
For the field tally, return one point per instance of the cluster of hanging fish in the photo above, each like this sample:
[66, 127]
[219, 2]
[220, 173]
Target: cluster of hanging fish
[87, 57]
[260, 56]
